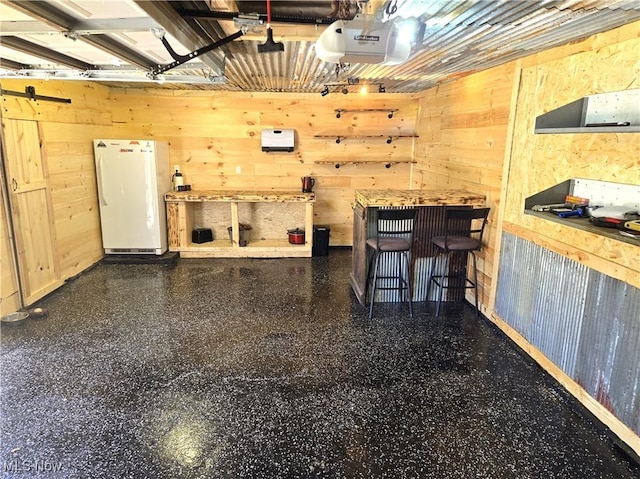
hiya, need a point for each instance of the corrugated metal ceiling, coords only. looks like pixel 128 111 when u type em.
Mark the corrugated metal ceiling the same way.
pixel 83 38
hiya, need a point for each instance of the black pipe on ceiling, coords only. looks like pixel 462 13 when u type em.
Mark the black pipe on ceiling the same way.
pixel 300 20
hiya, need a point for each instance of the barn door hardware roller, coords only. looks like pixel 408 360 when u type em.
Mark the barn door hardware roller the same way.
pixel 30 93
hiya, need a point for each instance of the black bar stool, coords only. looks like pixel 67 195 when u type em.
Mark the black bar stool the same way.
pixel 394 238
pixel 463 235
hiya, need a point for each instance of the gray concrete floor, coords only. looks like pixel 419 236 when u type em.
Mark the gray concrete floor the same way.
pixel 241 368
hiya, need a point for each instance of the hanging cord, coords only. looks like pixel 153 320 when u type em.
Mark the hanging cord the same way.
pixel 268 13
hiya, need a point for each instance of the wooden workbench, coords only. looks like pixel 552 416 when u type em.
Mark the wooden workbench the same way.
pixel 429 223
pixel 270 214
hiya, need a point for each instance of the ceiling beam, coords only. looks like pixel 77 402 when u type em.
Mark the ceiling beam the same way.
pixel 114 25
pixel 50 15
pixel 24 46
pixel 43 11
pixel 179 28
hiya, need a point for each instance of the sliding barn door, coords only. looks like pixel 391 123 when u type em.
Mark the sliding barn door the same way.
pixel 10 293
pixel 31 209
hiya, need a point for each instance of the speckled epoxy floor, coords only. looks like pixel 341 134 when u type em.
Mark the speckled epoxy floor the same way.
pixel 270 369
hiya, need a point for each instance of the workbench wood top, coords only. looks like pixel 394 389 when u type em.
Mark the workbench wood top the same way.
pixel 378 198
pixel 241 196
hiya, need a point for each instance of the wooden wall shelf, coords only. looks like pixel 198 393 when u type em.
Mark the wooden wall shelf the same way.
pixel 585 225
pixel 387 164
pixel 389 138
pixel 390 111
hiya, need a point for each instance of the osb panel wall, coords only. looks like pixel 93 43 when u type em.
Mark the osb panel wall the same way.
pixel 462 136
pixel 606 62
pixel 67 132
pixel 215 139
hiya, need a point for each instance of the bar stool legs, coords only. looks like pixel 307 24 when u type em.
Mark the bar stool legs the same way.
pixel 442 279
pixel 463 231
pixel 394 236
pixel 403 278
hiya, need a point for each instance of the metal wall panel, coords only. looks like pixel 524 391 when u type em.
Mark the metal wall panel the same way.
pixel 587 323
pixel 424 252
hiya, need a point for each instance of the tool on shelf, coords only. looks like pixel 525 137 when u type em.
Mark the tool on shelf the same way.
pixel 572 206
pixel 567 214
pixel 546 207
pixel 633 225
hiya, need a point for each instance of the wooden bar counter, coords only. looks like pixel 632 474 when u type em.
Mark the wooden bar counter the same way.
pixel 429 223
pixel 268 238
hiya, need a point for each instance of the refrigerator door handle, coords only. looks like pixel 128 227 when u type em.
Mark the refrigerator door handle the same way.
pixel 103 200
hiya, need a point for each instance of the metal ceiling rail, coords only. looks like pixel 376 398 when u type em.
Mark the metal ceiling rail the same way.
pixel 25 27
pixel 11 65
pixel 188 33
pixel 50 15
pixel 79 27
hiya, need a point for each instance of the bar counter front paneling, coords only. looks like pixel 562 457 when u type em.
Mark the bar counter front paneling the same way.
pixel 429 223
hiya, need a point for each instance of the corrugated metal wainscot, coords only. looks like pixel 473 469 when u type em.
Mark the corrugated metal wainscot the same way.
pixel 587 323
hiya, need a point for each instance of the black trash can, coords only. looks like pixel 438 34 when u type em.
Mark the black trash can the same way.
pixel 320 240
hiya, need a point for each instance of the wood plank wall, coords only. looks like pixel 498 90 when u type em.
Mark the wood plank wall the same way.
pixel 462 126
pixel 215 139
pixel 465 136
pixel 602 63
pixel 462 139
pixel 542 161
pixel 67 131
pixel 477 133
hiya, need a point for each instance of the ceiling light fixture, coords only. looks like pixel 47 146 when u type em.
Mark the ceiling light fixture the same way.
pixel 110 76
pixel 325 91
pixel 382 89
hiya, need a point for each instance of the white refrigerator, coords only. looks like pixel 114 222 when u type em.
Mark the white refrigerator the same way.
pixel 132 177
